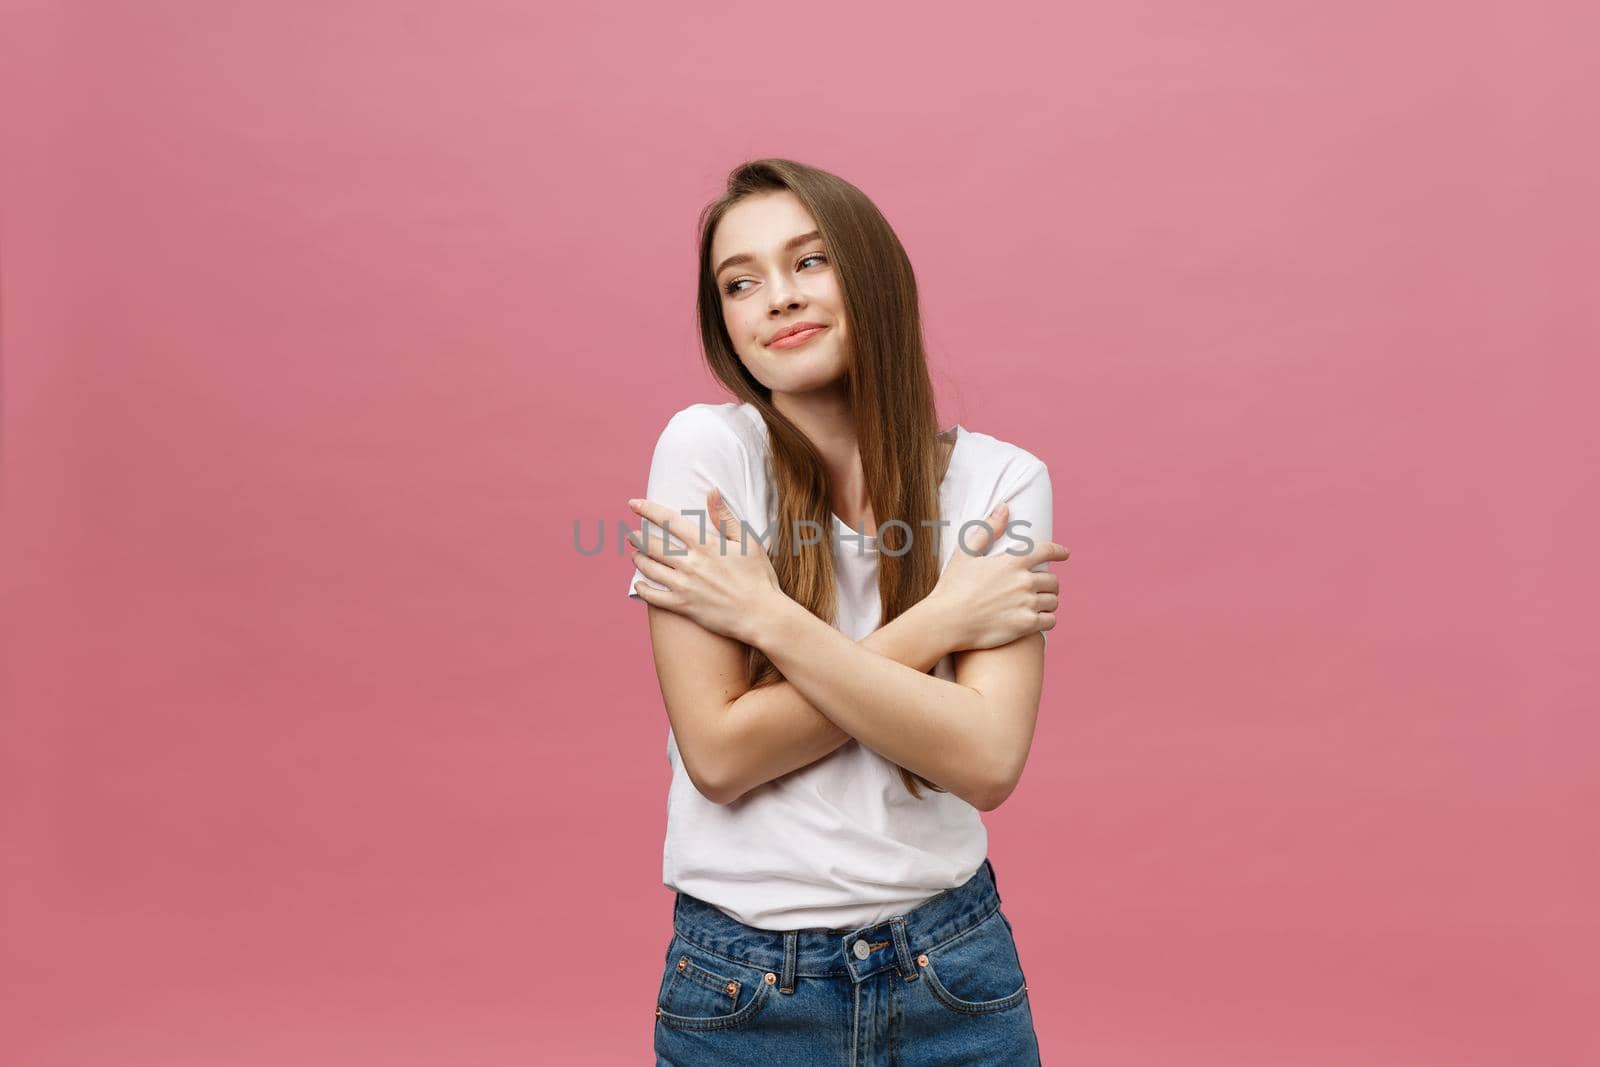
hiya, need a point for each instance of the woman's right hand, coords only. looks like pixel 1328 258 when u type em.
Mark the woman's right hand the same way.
pixel 994 600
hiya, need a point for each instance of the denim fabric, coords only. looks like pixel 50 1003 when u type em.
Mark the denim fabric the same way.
pixel 940 985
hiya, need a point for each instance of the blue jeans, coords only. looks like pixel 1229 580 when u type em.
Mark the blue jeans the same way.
pixel 941 984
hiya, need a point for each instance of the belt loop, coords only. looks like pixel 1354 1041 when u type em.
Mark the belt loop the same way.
pixel 902 949
pixel 992 878
pixel 791 950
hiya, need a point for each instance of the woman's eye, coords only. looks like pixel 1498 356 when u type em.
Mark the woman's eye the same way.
pixel 732 288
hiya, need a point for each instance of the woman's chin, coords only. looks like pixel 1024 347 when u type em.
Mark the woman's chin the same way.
pixel 807 383
pixel 801 375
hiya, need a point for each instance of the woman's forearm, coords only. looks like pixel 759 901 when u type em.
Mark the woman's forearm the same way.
pixel 774 729
pixel 932 727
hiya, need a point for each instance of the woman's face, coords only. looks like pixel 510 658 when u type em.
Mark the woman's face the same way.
pixel 774 273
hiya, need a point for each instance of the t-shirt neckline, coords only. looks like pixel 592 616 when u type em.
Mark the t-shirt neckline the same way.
pixel 870 539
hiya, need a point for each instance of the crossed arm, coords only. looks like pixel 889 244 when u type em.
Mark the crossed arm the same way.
pixel 971 736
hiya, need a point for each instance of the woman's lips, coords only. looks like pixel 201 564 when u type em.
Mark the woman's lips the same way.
pixel 796 339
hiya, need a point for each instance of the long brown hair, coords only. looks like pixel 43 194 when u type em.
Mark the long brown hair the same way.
pixel 890 392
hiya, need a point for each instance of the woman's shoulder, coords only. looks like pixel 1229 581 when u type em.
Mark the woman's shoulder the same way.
pixel 985 456
pixel 712 416
pixel 709 428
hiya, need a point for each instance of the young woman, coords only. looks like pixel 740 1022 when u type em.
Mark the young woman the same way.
pixel 851 674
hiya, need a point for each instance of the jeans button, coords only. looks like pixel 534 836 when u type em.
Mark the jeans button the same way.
pixel 862 951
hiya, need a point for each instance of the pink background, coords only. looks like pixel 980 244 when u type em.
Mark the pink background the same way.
pixel 324 322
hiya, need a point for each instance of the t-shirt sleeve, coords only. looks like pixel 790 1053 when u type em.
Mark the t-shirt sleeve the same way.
pixel 696 450
pixel 1030 523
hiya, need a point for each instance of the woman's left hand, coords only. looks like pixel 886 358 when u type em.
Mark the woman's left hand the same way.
pixel 723 582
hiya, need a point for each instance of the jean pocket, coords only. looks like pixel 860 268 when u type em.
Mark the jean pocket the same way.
pixel 977 971
pixel 701 991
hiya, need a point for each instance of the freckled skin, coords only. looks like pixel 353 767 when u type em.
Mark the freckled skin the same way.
pixel 778 288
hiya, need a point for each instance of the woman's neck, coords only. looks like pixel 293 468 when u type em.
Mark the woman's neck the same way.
pixel 828 422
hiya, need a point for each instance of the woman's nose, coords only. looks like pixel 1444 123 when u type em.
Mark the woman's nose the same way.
pixel 784 294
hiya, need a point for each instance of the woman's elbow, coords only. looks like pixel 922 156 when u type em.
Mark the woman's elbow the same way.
pixel 711 777
pixel 992 796
pixel 720 792
pixel 709 784
pixel 995 787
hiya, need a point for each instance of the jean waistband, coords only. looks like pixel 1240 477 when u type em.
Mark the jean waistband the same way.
pixel 860 951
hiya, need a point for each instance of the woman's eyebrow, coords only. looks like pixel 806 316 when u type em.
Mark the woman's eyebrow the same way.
pixel 746 257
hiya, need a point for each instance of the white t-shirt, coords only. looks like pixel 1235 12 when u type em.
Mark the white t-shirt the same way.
pixel 839 843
